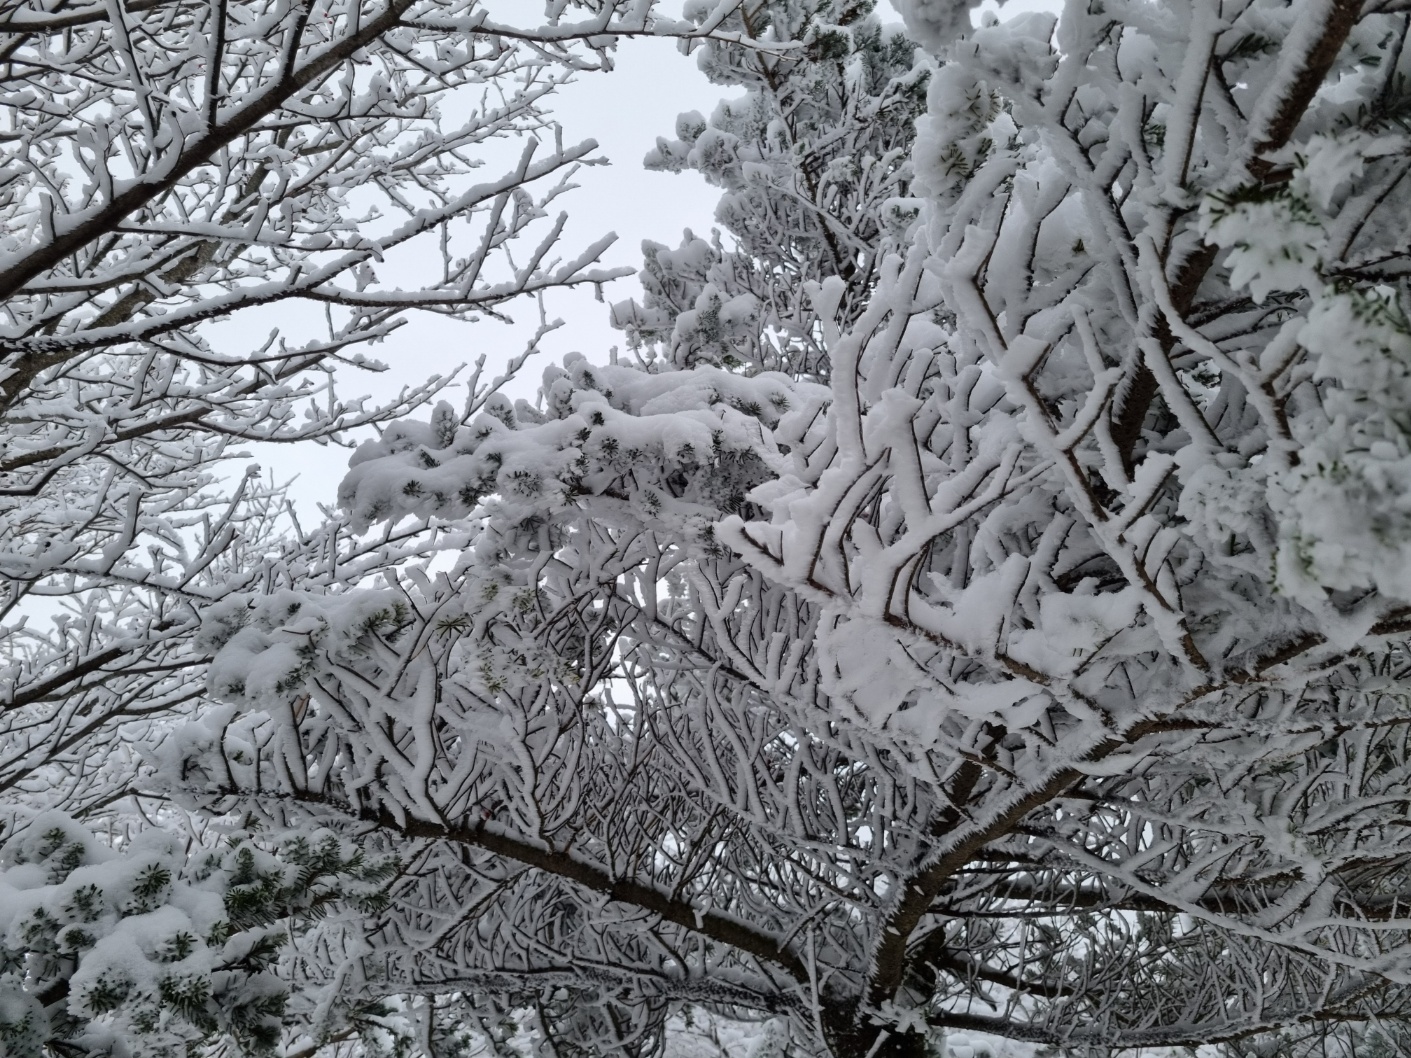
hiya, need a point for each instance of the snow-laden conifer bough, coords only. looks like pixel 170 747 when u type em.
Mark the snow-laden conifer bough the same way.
pixel 975 602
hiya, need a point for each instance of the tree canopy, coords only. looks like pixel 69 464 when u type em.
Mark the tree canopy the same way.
pixel 974 601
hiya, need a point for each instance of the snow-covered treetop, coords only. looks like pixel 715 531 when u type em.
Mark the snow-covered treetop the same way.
pixel 814 163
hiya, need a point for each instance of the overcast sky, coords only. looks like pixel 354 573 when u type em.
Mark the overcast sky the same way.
pixel 625 111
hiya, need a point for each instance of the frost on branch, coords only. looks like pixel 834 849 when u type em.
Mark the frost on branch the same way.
pixel 151 948
pixel 814 168
pixel 207 212
pixel 1034 664
pixel 1168 497
pixel 934 24
pixel 676 449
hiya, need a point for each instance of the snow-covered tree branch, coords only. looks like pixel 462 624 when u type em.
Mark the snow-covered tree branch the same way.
pixel 976 602
pixel 207 211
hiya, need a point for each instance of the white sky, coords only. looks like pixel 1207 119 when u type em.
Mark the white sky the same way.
pixel 625 111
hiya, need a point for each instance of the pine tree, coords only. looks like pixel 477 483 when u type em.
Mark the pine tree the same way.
pixel 814 162
pixel 1025 657
pixel 155 948
pixel 1030 664
pixel 208 213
